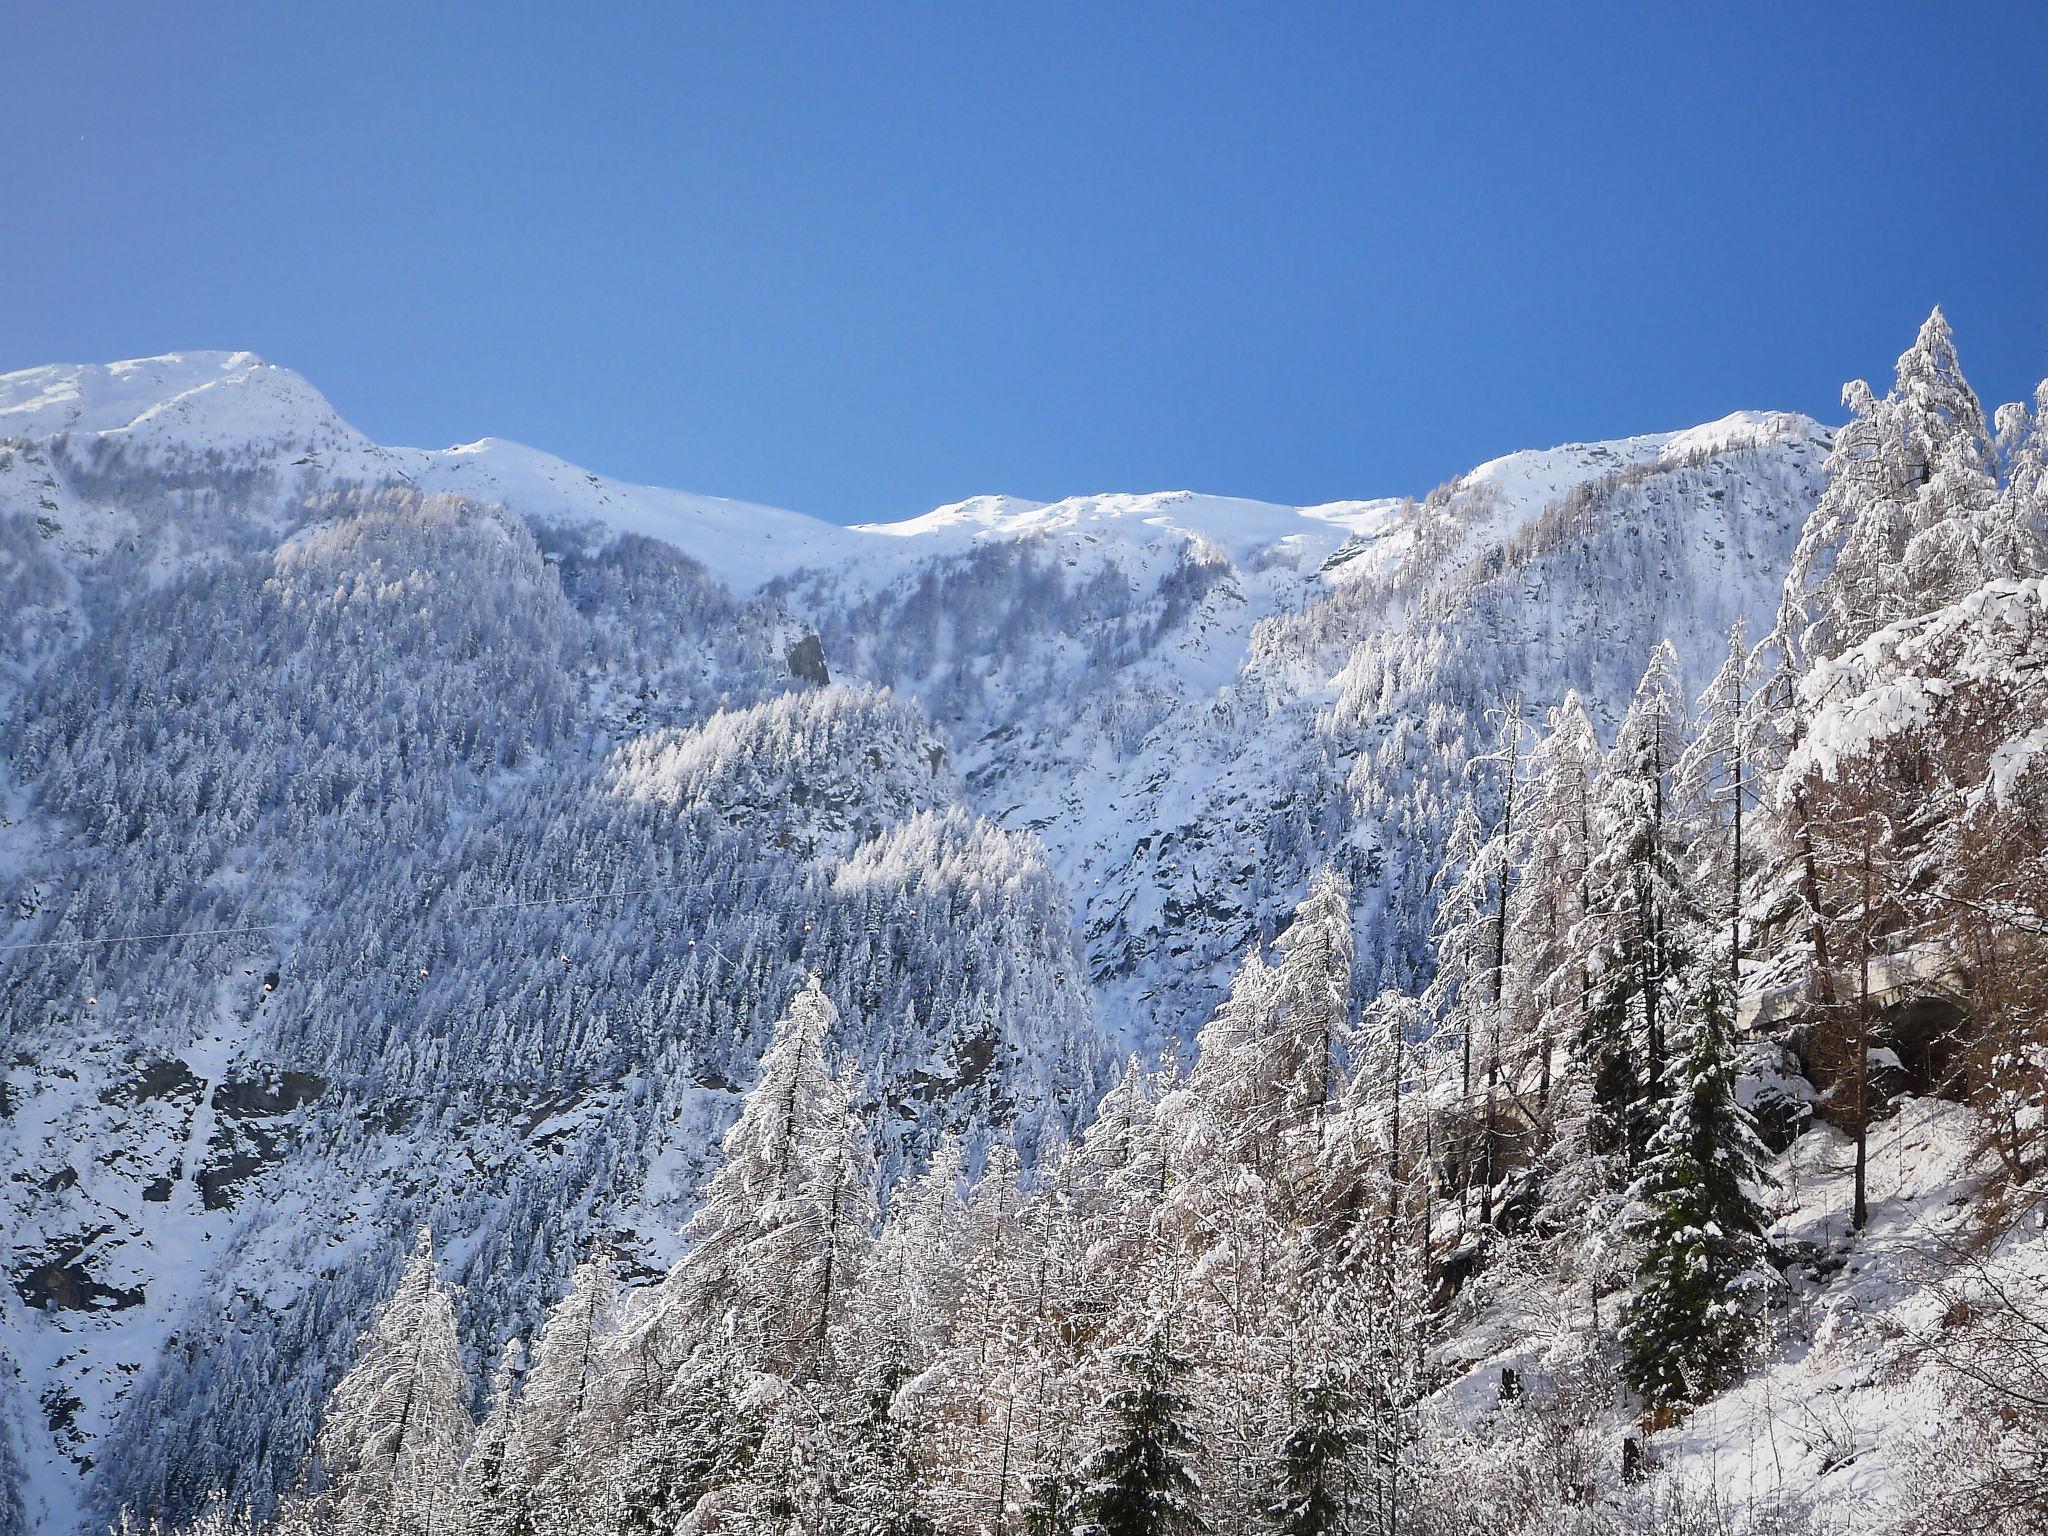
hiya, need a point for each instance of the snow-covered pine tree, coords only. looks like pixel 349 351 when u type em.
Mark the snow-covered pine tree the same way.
pixel 697 1439
pixel 397 1425
pixel 1139 1481
pixel 1948 454
pixel 1701 1275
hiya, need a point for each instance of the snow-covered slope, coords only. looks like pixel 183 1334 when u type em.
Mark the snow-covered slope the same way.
pixel 1846 1406
pixel 520 800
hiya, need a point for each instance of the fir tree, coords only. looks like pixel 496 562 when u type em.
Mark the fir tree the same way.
pixel 1699 1222
pixel 1140 1480
pixel 1313 1474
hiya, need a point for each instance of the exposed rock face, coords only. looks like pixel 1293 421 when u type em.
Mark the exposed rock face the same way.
pixel 807 662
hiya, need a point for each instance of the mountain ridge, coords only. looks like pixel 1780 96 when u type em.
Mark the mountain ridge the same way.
pixel 1072 760
pixel 210 399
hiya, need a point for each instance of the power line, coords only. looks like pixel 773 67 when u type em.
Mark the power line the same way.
pixel 143 938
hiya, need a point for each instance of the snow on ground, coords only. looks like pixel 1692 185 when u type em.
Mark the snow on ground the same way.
pixel 1840 1404
pixel 1242 530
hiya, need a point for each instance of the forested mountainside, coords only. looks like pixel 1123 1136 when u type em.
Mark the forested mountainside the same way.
pixel 457 838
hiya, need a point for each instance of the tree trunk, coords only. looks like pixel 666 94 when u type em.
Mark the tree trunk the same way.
pixel 1861 1213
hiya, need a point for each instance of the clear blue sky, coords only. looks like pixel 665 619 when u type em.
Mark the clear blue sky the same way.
pixel 862 259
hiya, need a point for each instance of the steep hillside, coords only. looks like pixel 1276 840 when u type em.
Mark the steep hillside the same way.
pixel 393 834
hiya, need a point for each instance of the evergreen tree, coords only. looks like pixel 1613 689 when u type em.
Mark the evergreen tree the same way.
pixel 1700 1224
pixel 1313 1474
pixel 1140 1480
pixel 397 1426
pixel 1052 1505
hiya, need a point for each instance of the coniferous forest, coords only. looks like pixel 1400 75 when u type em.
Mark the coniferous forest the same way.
pixel 1593 1109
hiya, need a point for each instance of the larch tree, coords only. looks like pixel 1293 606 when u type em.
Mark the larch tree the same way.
pixel 1642 891
pixel 1716 780
pixel 750 1243
pixel 1549 963
pixel 397 1425
pixel 1458 997
pixel 559 1415
pixel 494 1500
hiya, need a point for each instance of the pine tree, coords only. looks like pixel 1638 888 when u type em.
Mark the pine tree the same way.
pixel 1699 1221
pixel 1140 1480
pixel 397 1426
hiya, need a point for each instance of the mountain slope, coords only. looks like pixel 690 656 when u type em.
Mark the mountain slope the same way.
pixel 504 804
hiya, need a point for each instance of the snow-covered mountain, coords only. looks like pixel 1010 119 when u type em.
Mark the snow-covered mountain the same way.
pixel 392 834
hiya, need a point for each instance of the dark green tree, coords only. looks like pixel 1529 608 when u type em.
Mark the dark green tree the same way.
pixel 1314 1477
pixel 1052 1505
pixel 1140 1482
pixel 1700 1225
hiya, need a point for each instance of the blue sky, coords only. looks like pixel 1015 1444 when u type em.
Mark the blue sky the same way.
pixel 864 259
